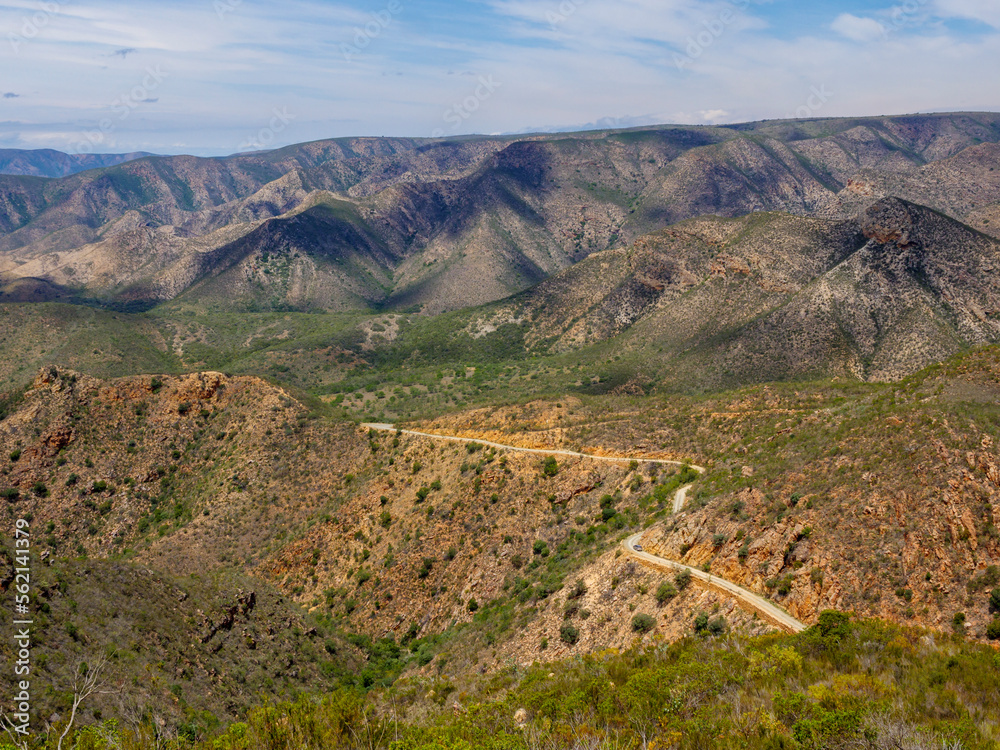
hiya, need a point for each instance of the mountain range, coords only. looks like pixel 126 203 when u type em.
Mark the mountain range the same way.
pixel 370 224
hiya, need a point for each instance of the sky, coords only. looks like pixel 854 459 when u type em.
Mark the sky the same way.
pixel 215 77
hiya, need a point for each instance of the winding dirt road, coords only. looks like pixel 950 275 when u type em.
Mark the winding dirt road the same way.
pixel 759 604
pixel 538 451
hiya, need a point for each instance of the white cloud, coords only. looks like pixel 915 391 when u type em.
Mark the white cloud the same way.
pixel 606 63
pixel 858 29
pixel 713 115
pixel 987 11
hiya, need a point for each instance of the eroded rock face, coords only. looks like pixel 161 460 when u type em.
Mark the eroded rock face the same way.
pixel 890 221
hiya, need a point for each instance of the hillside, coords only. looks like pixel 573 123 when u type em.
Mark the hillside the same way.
pixel 207 472
pixel 476 558
pixel 453 224
pixel 770 297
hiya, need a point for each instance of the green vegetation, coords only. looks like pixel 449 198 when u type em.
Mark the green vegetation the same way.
pixel 838 685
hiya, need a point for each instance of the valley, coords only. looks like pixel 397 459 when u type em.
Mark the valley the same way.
pixel 352 443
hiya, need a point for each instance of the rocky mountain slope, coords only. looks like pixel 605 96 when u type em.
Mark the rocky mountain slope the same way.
pixel 467 222
pixel 772 296
pixel 410 537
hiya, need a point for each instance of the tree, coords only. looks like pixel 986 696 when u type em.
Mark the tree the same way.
pixel 87 680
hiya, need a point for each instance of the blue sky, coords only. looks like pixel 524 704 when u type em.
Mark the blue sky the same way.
pixel 212 77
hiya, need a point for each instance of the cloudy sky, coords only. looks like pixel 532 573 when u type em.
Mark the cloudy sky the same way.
pixel 221 76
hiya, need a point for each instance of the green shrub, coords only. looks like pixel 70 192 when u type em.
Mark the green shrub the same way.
pixel 718 625
pixel 385 520
pixel 682 580
pixel 643 623
pixel 666 592
pixel 550 467
pixel 569 633
pixel 473 605
pixel 993 630
pixel 15 454
pixel 958 622
pixel 995 601
pixel 40 489
pixel 701 623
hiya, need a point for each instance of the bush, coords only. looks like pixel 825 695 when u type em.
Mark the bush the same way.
pixel 540 548
pixel 569 634
pixel 10 494
pixel 718 625
pixel 385 520
pixel 995 601
pixel 993 630
pixel 15 454
pixel 473 605
pixel 701 623
pixel 425 567
pixel 958 622
pixel 643 623
pixel 666 592
pixel 550 467
pixel 40 489
pixel 578 590
pixel 682 580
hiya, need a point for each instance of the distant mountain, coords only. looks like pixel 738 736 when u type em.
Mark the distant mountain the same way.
pixel 773 296
pixel 49 163
pixel 445 225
